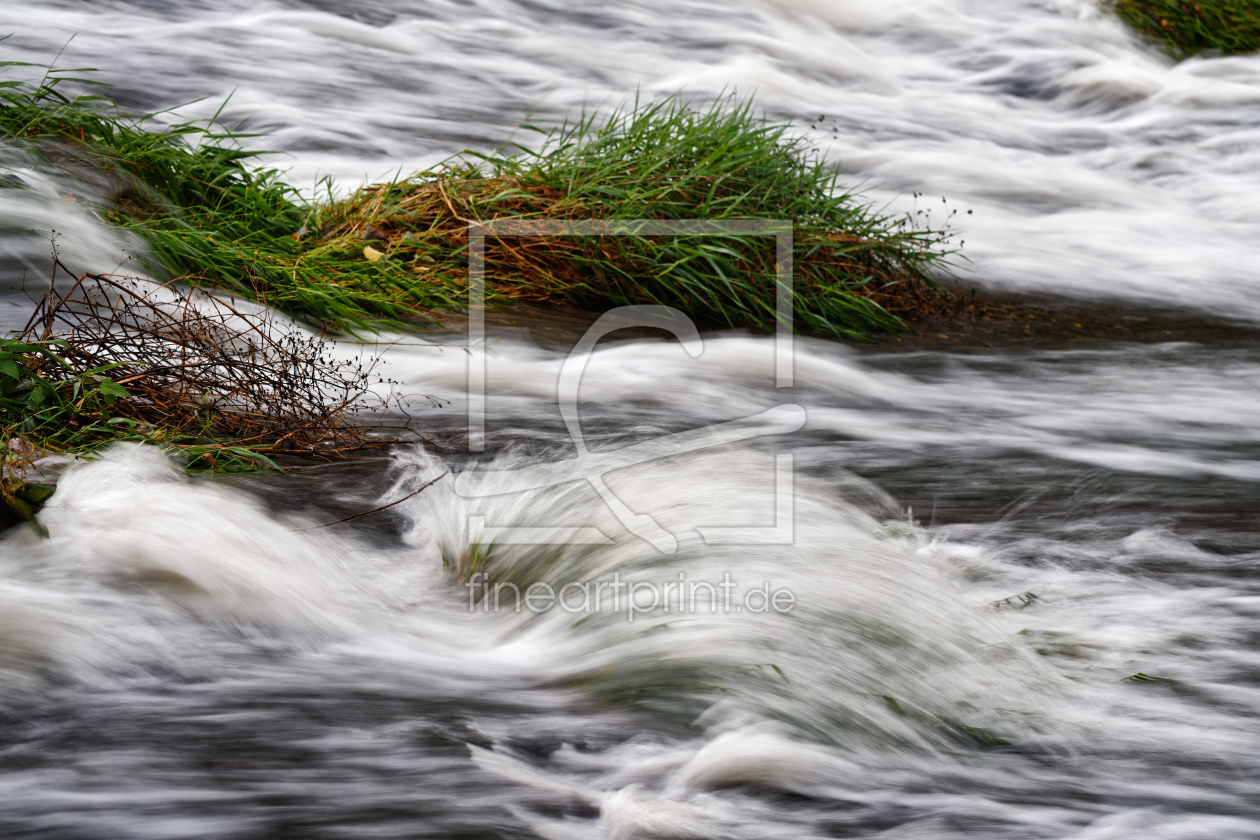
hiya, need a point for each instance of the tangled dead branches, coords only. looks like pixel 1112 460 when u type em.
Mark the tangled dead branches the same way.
pixel 198 365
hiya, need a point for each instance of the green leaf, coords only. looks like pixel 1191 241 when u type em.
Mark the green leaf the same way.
pixel 36 494
pixel 109 388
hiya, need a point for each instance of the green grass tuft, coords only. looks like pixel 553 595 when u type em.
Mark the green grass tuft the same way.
pixel 1229 27
pixel 855 269
pixel 212 217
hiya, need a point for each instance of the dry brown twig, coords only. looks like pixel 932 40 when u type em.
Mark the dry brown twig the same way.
pixel 200 365
pixel 415 492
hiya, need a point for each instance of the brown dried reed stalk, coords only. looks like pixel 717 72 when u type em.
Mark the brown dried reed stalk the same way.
pixel 195 364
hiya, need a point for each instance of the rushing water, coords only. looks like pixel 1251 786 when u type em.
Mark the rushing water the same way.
pixel 181 660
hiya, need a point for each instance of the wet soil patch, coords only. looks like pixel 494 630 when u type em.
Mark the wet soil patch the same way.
pixel 966 319
pixel 975 319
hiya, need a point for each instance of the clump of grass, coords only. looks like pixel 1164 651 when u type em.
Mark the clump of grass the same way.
pixel 212 217
pixel 1185 28
pixel 390 251
pixel 856 270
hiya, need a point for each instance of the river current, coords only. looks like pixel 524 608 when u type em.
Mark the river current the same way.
pixel 1018 592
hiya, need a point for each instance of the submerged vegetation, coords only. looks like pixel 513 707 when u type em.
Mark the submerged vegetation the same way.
pixel 1188 28
pixel 214 218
